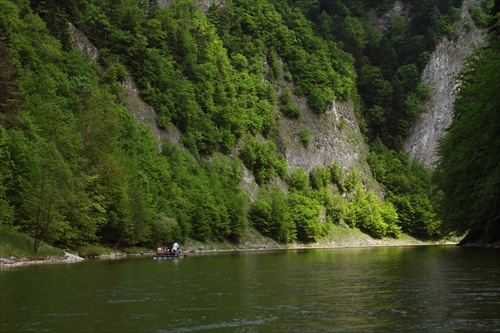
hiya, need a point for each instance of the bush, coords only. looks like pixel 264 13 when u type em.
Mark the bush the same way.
pixel 305 137
pixel 298 180
pixel 305 214
pixel 319 178
pixel 263 160
pixel 351 181
pixel 260 215
pixel 481 19
pixel 372 216
pixel 270 215
pixel 94 250
pixel 286 106
pixel 337 176
pixel 416 215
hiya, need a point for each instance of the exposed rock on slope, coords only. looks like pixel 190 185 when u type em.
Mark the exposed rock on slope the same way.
pixel 382 22
pixel 445 61
pixel 144 113
pixel 82 43
pixel 336 138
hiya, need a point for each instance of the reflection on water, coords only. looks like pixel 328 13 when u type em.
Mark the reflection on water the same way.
pixel 392 289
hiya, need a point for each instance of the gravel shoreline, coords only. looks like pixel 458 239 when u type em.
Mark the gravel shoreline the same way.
pixel 14 261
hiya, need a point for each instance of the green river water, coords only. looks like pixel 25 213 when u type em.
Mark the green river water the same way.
pixel 381 289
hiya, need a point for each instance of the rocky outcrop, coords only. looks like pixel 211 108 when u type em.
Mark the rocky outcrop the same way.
pixel 144 113
pixel 335 137
pixel 444 62
pixel 382 22
pixel 82 43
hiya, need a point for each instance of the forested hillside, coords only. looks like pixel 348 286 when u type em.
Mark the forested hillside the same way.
pixel 470 152
pixel 77 169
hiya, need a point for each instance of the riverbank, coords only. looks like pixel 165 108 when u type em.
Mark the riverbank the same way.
pixel 15 261
pixel 343 237
pixel 251 241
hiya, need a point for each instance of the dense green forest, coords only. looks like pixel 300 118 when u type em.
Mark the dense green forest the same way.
pixel 470 151
pixel 76 169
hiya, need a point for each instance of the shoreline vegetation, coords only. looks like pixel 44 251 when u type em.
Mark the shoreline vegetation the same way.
pixel 14 252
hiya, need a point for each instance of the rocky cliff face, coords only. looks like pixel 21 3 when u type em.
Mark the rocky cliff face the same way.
pixel 335 138
pixel 82 43
pixel 444 62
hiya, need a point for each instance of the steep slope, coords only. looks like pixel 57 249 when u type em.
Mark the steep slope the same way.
pixel 444 62
pixel 335 138
pixel 142 112
pixel 335 135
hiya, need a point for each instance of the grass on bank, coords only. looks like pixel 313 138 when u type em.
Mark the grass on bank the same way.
pixel 16 244
pixel 19 245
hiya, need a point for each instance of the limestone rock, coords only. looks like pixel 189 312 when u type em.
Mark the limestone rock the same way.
pixel 444 62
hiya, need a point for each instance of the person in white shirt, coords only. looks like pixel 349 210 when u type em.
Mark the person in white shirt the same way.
pixel 175 248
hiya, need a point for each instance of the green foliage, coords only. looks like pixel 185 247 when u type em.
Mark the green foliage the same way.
pixel 47 190
pixel 304 213
pixel 408 188
pixel 480 13
pixel 9 88
pixel 298 180
pixel 305 137
pixel 319 178
pixel 351 181
pixel 93 250
pixel 286 106
pixel 77 170
pixel 206 199
pixel 423 91
pixel 270 214
pixel 391 217
pixel 274 65
pixel 467 177
pixel 320 70
pixel 263 160
pixel 336 209
pixel 372 216
pixel 389 63
pixel 84 171
pixel 261 214
pixel 416 215
pixel 6 208
pixel 337 176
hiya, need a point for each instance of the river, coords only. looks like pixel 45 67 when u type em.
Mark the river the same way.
pixel 379 289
